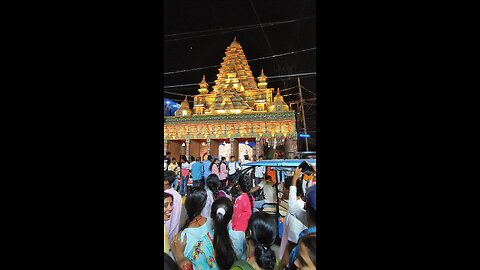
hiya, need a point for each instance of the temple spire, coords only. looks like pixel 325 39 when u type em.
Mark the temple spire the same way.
pixel 278 104
pixel 262 81
pixel 203 86
pixel 184 109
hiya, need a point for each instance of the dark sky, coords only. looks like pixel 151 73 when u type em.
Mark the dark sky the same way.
pixel 204 48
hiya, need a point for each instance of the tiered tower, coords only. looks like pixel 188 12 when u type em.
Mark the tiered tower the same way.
pixel 235 90
pixel 237 109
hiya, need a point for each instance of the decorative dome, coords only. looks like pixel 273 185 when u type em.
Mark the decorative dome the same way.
pixel 184 109
pixel 278 104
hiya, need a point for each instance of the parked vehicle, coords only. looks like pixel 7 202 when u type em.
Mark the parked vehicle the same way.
pixel 283 167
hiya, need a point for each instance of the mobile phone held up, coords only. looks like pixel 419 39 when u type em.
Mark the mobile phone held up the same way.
pixel 306 168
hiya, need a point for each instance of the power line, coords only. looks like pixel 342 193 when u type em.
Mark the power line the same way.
pixel 266 39
pixel 309 91
pixel 282 54
pixel 236 28
pixel 255 59
pixel 290 76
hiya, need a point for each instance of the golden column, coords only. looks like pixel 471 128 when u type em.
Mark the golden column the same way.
pixel 187 148
pixel 165 147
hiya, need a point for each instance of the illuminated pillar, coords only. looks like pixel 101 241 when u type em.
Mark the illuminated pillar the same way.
pixel 232 148
pixel 187 148
pixel 258 147
pixel 208 146
pixel 295 146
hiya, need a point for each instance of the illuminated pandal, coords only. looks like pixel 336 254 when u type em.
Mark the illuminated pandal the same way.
pixel 236 110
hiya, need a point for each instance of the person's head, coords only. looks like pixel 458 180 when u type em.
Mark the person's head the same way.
pixel 244 183
pixel 232 158
pixel 168 178
pixel 261 233
pixel 222 212
pixel 167 206
pixel 311 205
pixel 168 154
pixel 174 160
pixel 197 159
pixel 269 180
pixel 307 258
pixel 194 204
pixel 213 182
pixel 192 158
pixel 224 159
pixel 288 183
pixel 260 158
pixel 169 263
pixel 183 158
pixel 209 158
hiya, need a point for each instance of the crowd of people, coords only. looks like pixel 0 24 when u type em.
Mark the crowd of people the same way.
pixel 218 229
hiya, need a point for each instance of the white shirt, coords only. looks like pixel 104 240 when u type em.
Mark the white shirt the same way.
pixel 260 171
pixel 245 162
pixel 293 208
pixel 292 227
pixel 186 165
pixel 306 185
pixel 232 167
pixel 173 167
pixel 268 191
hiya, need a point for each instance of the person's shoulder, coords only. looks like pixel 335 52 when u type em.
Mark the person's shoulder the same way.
pixel 175 193
pixel 241 265
pixel 236 235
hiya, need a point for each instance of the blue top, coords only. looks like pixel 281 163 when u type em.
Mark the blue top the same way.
pixel 206 168
pixel 199 248
pixel 239 243
pixel 197 171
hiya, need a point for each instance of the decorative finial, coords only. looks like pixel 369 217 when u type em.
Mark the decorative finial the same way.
pixel 203 80
pixel 235 42
pixel 262 74
pixel 278 91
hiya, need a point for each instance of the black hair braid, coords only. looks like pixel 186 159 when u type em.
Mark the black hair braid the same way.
pixel 265 257
pixel 262 230
pixel 213 182
pixel 222 212
pixel 194 204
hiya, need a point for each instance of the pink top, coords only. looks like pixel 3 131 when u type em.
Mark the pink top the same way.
pixel 242 211
pixel 223 171
pixel 215 170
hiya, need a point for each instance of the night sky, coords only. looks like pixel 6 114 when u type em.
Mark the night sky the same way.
pixel 202 47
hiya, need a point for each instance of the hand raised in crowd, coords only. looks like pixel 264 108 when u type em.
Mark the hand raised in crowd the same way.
pixel 178 246
pixel 296 175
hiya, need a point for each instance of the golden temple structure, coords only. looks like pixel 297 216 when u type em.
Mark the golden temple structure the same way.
pixel 237 110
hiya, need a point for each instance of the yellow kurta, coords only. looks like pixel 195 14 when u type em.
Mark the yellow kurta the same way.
pixel 166 247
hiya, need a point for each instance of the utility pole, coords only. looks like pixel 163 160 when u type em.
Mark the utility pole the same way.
pixel 303 113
